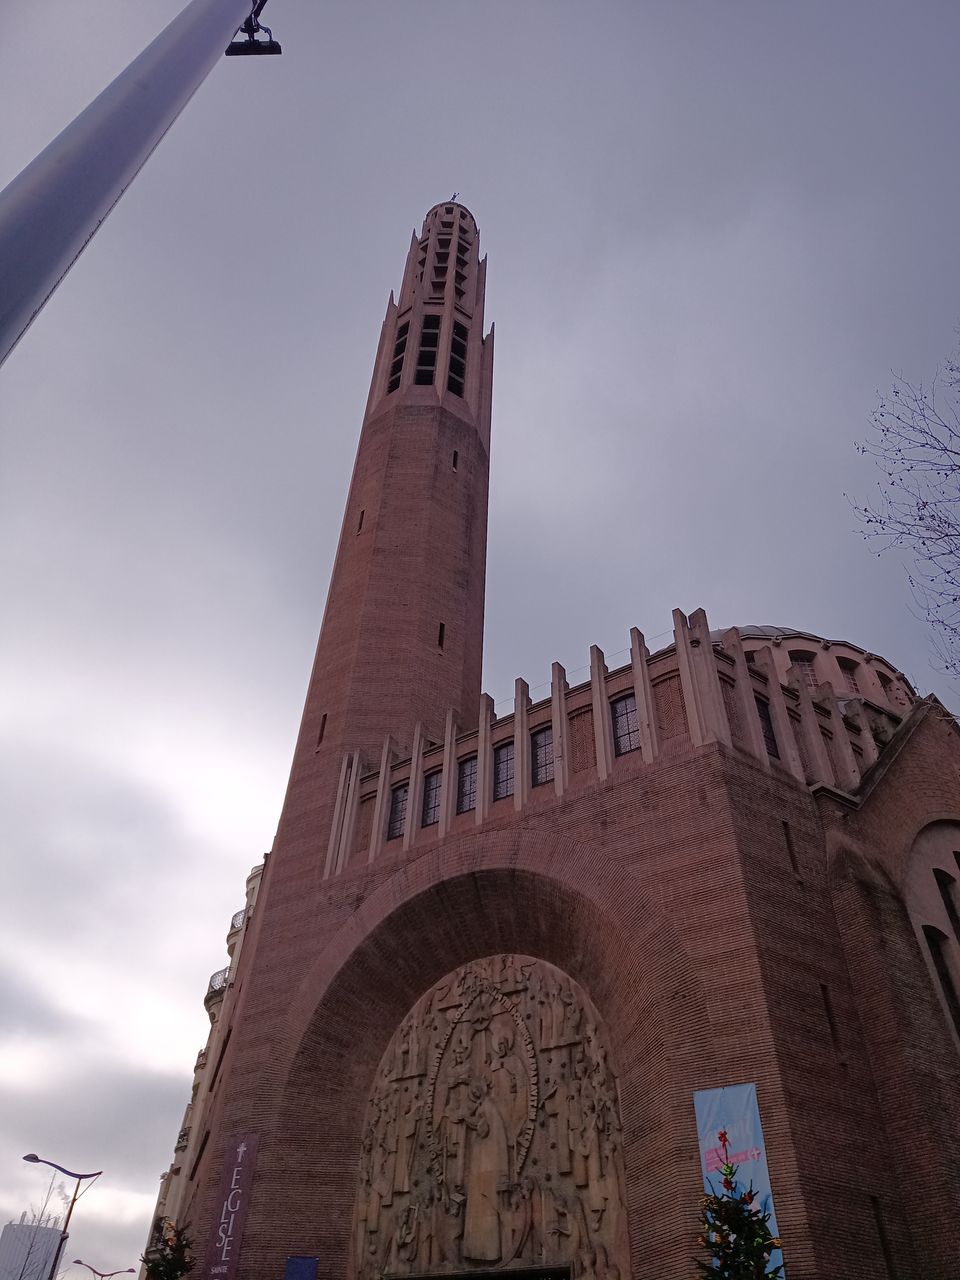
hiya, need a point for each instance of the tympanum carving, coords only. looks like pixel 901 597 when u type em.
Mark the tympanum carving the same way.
pixel 492 1137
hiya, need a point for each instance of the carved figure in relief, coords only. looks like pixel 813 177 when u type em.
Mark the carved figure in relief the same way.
pixel 449 1226
pixel 408 1127
pixel 560 1229
pixel 449 1130
pixel 426 1255
pixel 493 1135
pixel 406 1236
pixel 481 1012
pixel 570 1016
pixel 486 1177
pixel 526 1225
pixel 512 974
pixel 548 1011
pixel 468 983
pixel 408 1051
pixel 509 1078
pixel 556 1104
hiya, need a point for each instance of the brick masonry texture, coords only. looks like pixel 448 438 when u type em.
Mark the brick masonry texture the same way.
pixel 669 895
pixel 733 918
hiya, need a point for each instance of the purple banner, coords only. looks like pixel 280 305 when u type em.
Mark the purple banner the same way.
pixel 223 1253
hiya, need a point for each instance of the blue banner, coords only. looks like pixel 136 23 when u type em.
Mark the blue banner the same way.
pixel 300 1269
pixel 734 1110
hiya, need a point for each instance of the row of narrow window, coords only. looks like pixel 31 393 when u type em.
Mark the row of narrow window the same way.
pixel 626 738
pixel 626 725
pixel 426 366
pixel 805 663
pixel 541 771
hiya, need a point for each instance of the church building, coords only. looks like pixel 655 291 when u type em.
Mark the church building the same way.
pixel 502 980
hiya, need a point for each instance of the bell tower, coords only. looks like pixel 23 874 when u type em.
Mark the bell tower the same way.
pixel 402 634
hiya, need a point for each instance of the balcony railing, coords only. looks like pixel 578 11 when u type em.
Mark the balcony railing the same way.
pixel 237 920
pixel 216 987
pixel 183 1137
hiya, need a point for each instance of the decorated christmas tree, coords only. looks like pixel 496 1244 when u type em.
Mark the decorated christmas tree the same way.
pixel 735 1229
pixel 170 1255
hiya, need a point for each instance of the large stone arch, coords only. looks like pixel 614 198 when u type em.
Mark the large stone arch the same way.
pixel 558 900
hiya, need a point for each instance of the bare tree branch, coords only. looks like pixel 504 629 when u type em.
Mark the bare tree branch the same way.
pixel 915 442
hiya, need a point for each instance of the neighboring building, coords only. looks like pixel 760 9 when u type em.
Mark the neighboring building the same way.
pixel 189 1145
pixel 493 958
pixel 28 1249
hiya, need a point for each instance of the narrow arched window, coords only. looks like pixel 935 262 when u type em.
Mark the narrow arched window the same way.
pixel 937 943
pixel 848 674
pixel 948 896
pixel 398 811
pixel 804 663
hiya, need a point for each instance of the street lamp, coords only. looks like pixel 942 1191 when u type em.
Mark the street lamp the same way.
pixel 50 212
pixel 32 1158
pixel 103 1275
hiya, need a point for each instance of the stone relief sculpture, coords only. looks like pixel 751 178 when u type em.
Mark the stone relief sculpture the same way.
pixel 492 1138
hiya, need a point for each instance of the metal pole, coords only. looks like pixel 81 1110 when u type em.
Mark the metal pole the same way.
pixel 50 211
pixel 64 1233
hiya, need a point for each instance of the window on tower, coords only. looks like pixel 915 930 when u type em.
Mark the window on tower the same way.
pixel 396 365
pixel 430 813
pixel 427 355
pixel 467 785
pixel 398 811
pixel 503 771
pixel 626 725
pixel 541 756
pixel 458 359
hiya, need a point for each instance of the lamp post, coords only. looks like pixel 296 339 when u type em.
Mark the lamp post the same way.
pixel 50 212
pixel 32 1158
pixel 103 1275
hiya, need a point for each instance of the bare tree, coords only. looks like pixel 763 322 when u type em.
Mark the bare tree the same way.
pixel 916 443
pixel 36 1262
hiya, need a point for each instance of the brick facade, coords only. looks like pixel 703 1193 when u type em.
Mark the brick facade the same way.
pixel 735 887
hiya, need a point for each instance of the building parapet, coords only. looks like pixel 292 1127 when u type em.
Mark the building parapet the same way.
pixel 815 723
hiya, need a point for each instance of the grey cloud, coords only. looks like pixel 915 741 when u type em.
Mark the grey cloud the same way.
pixel 70 826
pixel 712 231
pixel 122 1118
pixel 24 1010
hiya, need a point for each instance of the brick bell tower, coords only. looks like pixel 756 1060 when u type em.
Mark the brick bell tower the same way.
pixel 400 650
pixel 402 634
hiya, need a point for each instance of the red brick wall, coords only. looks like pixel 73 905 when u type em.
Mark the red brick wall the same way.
pixel 669 895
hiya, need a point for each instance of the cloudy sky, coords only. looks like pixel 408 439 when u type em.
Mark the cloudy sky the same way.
pixel 714 228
